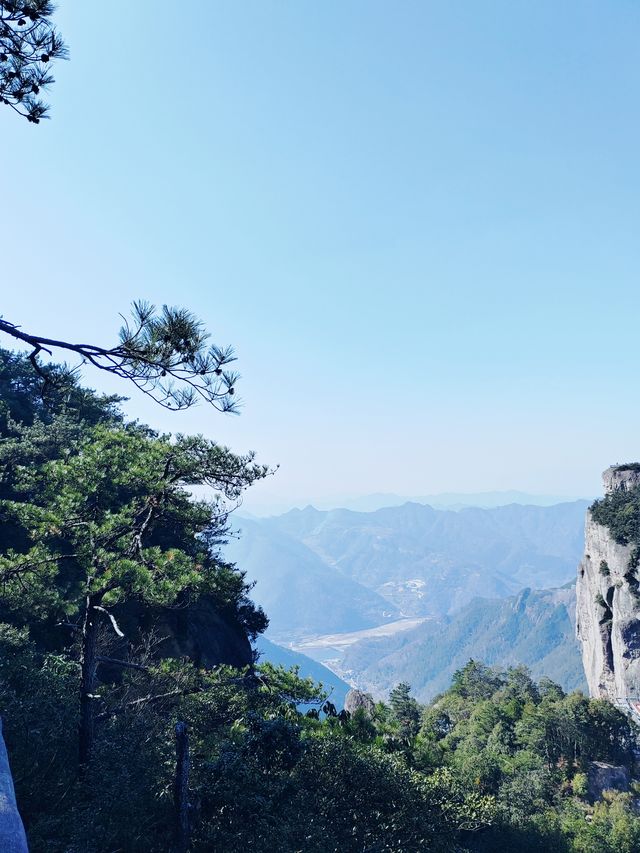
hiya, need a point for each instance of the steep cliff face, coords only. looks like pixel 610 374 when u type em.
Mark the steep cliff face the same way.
pixel 200 632
pixel 607 592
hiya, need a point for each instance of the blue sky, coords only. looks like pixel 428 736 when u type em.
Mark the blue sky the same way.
pixel 416 222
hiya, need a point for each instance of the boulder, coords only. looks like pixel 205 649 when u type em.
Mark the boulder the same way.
pixel 356 700
pixel 606 777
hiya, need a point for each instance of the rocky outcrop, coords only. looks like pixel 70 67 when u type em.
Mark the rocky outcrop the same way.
pixel 606 777
pixel 204 634
pixel 621 478
pixel 608 603
pixel 200 631
pixel 356 700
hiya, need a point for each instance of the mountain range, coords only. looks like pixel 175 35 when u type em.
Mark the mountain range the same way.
pixel 445 500
pixel 262 505
pixel 411 592
pixel 319 572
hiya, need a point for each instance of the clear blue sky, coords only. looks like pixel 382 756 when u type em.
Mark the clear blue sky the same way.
pixel 417 222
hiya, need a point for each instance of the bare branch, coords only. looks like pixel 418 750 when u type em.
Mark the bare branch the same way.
pixel 111 618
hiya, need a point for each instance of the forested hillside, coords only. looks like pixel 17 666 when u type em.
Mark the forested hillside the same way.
pixel 535 628
pixel 335 688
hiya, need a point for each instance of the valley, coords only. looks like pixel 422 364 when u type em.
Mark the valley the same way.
pixel 412 592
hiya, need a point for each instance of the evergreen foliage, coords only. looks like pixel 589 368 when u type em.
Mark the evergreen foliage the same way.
pixel 29 43
pixel 528 747
pixel 98 513
pixel 22 400
pixel 620 512
pixel 163 353
pixel 502 773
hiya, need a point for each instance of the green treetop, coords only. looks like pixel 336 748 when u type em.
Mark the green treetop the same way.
pixel 112 519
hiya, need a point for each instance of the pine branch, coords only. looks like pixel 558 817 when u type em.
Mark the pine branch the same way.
pixel 163 353
pixel 29 42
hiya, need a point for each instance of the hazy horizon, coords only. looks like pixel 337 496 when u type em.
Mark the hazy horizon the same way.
pixel 261 505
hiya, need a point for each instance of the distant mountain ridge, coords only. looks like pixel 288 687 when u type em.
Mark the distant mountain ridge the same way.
pixel 256 508
pixel 450 500
pixel 319 572
pixel 299 591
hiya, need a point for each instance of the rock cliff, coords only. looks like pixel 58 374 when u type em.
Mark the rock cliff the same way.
pixel 12 837
pixel 607 592
pixel 200 631
pixel 606 777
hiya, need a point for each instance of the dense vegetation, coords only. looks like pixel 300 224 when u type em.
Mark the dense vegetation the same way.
pixel 98 535
pixel 620 512
pixel 528 746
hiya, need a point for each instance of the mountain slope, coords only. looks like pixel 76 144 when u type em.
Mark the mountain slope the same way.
pixel 535 628
pixel 301 593
pixel 335 686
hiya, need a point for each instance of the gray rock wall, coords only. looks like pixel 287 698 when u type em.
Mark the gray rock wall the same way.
pixel 606 777
pixel 620 478
pixel 199 631
pixel 12 837
pixel 608 606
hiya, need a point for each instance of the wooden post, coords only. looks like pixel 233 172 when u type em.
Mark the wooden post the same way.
pixel 87 684
pixel 12 837
pixel 181 789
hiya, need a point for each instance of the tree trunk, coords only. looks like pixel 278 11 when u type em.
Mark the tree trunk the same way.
pixel 181 789
pixel 87 682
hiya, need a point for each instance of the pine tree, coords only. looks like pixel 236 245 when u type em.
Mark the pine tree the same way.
pixel 109 520
pixel 405 710
pixel 165 354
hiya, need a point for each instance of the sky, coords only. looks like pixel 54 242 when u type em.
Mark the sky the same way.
pixel 416 222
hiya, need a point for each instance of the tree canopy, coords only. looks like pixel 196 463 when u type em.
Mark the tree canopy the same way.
pixel 97 513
